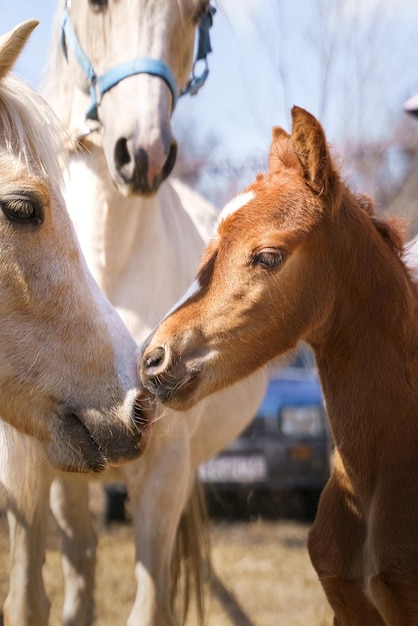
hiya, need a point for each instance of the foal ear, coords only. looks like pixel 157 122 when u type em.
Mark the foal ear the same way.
pixel 310 145
pixel 11 45
pixel 279 151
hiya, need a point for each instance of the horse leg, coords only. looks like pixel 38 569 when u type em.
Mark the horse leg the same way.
pixel 396 599
pixel 336 547
pixel 70 505
pixel 26 479
pixel 158 487
pixel 350 604
pixel 392 550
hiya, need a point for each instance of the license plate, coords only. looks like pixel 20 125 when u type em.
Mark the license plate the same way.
pixel 225 469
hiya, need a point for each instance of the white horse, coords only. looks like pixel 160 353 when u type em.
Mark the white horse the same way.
pixel 143 239
pixel 70 398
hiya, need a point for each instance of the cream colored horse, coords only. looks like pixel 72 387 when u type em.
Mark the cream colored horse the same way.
pixel 70 398
pixel 143 243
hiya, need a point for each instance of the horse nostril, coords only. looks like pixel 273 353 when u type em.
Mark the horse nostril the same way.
pixel 122 156
pixel 154 359
pixel 170 160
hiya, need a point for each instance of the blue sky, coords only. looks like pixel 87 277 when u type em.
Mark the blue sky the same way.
pixel 271 54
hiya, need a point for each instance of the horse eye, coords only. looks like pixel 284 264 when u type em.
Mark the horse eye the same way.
pixel 268 259
pixel 98 5
pixel 23 209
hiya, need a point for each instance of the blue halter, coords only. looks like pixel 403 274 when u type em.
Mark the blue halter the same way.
pixel 98 85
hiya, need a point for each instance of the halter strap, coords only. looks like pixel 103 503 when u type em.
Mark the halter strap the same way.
pixel 100 84
pixel 203 48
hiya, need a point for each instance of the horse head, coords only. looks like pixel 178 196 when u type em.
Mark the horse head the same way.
pixel 130 59
pixel 67 367
pixel 258 290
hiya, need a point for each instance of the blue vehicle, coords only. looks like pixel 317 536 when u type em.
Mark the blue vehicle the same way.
pixel 287 445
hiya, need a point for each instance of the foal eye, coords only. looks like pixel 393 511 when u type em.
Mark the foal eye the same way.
pixel 268 259
pixel 22 209
pixel 98 5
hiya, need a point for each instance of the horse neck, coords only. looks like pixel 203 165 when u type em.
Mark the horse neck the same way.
pixel 367 351
pixel 143 252
pixel 114 231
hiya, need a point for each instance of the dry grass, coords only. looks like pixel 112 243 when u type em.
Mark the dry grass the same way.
pixel 263 576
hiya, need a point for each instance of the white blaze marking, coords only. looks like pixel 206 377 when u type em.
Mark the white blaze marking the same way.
pixel 236 204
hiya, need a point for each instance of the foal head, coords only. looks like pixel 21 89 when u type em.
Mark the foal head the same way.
pixel 135 113
pixel 67 370
pixel 267 278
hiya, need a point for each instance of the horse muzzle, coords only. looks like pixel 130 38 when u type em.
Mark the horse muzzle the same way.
pixel 171 380
pixel 141 170
pixel 89 440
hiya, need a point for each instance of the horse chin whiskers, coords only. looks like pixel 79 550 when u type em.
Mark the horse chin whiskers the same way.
pixel 161 414
pixel 144 413
pixel 74 459
pixel 166 387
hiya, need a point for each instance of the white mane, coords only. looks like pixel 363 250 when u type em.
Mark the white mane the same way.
pixel 59 94
pixel 33 135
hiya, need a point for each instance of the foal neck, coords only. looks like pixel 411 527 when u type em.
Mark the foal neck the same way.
pixel 367 354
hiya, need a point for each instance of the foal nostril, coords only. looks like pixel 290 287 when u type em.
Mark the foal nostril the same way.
pixel 154 360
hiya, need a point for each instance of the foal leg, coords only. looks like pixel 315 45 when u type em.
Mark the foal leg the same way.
pixel 70 505
pixel 396 600
pixel 392 547
pixel 24 473
pixel 336 545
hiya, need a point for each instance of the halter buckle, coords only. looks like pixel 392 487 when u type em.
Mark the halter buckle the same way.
pixel 91 126
pixel 196 82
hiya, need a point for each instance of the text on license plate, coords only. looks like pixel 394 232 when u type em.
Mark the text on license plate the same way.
pixel 225 469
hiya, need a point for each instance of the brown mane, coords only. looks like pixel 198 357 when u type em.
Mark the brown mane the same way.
pixel 391 229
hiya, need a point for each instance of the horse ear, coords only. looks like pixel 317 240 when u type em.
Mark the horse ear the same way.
pixel 11 45
pixel 310 145
pixel 279 148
